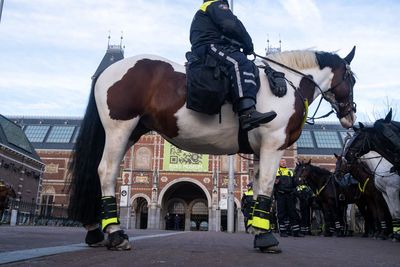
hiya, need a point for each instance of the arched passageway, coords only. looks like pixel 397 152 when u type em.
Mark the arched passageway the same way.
pixel 187 205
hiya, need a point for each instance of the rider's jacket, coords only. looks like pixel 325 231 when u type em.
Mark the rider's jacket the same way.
pixel 213 20
pixel 286 181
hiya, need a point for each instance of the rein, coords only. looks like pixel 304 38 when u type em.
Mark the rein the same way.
pixel 363 188
pixel 318 191
pixel 328 95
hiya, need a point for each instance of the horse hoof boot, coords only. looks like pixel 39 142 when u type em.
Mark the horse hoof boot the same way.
pixel 271 250
pixel 95 238
pixel 267 243
pixel 118 241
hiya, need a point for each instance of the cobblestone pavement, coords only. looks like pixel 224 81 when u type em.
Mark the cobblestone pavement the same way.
pixel 169 248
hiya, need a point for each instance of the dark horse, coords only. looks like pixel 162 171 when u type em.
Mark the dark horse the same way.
pixel 332 197
pixel 376 205
pixel 148 93
pixel 383 137
pixel 6 192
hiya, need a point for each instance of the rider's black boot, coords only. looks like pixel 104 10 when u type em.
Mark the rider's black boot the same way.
pixel 249 117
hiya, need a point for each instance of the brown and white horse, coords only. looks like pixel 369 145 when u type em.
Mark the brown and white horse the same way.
pixel 143 93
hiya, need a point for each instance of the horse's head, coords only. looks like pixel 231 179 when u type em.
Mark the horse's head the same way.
pixel 302 171
pixel 340 93
pixel 360 143
pixel 342 167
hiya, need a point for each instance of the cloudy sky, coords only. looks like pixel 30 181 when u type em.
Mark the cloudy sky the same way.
pixel 50 49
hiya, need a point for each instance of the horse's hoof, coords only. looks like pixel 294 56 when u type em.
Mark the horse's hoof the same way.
pixel 118 241
pixel 95 238
pixel 271 249
pixel 265 241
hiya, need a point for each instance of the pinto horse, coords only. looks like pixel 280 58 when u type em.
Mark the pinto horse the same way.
pixel 374 200
pixel 6 192
pixel 148 93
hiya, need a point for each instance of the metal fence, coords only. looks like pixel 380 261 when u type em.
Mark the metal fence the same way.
pixel 29 213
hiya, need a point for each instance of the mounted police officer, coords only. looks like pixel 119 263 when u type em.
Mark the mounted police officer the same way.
pixel 213 21
pixel 285 187
pixel 246 201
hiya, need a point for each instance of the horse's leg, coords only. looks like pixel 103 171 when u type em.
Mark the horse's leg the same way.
pixel 117 136
pixel 392 191
pixel 260 224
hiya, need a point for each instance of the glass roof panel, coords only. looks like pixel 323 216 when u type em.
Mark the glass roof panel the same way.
pixel 36 133
pixel 305 140
pixel 60 134
pixel 327 139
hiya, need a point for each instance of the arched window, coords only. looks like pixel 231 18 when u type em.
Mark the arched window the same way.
pixel 176 208
pixel 199 208
pixel 143 159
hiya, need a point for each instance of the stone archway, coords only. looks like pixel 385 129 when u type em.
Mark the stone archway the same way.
pixel 139 213
pixel 189 192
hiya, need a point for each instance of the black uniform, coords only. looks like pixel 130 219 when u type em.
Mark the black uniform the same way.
pixel 305 196
pixel 213 20
pixel 246 201
pixel 286 201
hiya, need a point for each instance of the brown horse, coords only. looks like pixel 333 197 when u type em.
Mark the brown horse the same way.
pixel 331 196
pixel 6 192
pixel 144 93
pixel 375 202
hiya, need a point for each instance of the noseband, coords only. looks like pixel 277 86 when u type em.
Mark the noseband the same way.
pixel 330 96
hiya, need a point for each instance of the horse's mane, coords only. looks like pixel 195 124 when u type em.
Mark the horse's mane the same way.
pixel 297 59
pixel 320 170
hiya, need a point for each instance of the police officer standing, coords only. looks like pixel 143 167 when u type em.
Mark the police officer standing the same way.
pixel 305 196
pixel 246 201
pixel 213 21
pixel 285 187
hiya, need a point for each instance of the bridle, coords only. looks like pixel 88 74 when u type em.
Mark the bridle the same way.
pixel 328 95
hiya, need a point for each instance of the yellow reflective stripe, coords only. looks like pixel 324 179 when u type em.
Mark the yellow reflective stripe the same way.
pixel 249 193
pixel 363 189
pixel 320 190
pixel 305 112
pixel 396 229
pixel 261 223
pixel 284 172
pixel 106 222
pixel 206 4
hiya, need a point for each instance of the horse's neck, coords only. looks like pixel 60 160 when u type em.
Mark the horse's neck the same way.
pixel 318 178
pixel 322 78
pixel 360 172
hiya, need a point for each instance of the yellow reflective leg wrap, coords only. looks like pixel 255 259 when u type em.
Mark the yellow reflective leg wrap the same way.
pixel 250 220
pixel 109 214
pixel 396 225
pixel 261 213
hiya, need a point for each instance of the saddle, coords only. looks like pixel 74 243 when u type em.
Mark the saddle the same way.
pixel 208 84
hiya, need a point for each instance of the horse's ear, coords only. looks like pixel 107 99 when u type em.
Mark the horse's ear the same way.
pixel 309 162
pixel 350 56
pixel 388 117
pixel 355 128
pixel 336 156
pixel 361 125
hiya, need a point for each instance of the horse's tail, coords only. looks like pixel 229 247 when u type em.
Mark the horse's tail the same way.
pixel 85 189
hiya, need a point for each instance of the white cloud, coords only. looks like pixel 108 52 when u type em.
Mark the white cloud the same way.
pixel 49 49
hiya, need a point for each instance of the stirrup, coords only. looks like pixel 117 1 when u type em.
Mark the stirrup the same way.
pixel 249 122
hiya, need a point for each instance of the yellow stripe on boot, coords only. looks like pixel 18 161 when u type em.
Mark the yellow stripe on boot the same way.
pixel 107 222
